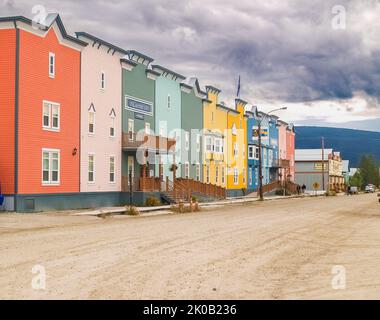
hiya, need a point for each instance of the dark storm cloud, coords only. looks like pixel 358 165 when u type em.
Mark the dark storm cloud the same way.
pixel 284 50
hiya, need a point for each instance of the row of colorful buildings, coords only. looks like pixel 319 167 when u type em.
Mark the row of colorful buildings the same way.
pixel 85 123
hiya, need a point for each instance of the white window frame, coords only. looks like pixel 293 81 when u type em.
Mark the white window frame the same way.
pixel 216 174
pixel 223 175
pixel 131 129
pixel 88 168
pixel 50 182
pixel 103 82
pixel 93 123
pixel 112 157
pixel 187 140
pixel 147 127
pixel 198 142
pixel 236 149
pixel 51 65
pixel 236 176
pixel 250 176
pixel 234 129
pixel 198 172
pixel 208 144
pixel 187 170
pixel 257 153
pixel 207 174
pixel 169 103
pixel 251 153
pixel 51 105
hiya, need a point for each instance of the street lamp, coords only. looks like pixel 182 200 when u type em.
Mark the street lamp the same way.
pixel 259 121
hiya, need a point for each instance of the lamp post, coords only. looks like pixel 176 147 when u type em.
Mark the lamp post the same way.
pixel 259 121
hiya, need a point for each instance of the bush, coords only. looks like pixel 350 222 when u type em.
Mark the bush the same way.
pixel 195 199
pixel 131 211
pixel 152 202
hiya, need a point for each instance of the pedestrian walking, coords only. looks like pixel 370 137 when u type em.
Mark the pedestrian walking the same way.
pixel 298 189
pixel 303 188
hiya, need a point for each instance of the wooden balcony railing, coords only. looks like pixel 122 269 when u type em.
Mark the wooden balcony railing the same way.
pixel 134 141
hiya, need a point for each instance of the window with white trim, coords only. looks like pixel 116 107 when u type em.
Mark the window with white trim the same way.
pixel 50 167
pixel 235 149
pixel 91 122
pixel 223 175
pixel 257 153
pixel 131 129
pixel 198 172
pixel 187 141
pixel 51 116
pixel 187 170
pixel 51 65
pixel 198 143
pixel 112 169
pixel 169 103
pixel 207 174
pixel 103 80
pixel 91 168
pixel 208 144
pixel 147 128
pixel 250 152
pixel 216 174
pixel 218 146
pixel 250 176
pixel 236 176
pixel 234 130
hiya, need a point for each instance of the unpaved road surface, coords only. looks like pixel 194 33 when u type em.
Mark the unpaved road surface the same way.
pixel 273 250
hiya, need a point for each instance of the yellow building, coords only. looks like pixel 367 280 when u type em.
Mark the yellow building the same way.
pixel 237 149
pixel 214 140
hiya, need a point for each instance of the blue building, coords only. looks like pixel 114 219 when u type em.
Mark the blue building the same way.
pixel 269 152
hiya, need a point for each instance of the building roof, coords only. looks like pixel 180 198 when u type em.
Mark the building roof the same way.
pixel 164 70
pixel 50 19
pixel 99 41
pixel 312 154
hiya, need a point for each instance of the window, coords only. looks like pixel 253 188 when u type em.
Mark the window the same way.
pixel 147 128
pixel 216 174
pixel 198 143
pixel 257 153
pixel 51 116
pixel 223 175
pixel 208 144
pixel 207 174
pixel 103 80
pixel 256 176
pixel 233 129
pixel 112 169
pixel 50 167
pixel 91 168
pixel 187 170
pixel 169 102
pixel 187 141
pixel 250 152
pixel 218 146
pixel 51 65
pixel 198 172
pixel 112 127
pixel 131 129
pixel 235 149
pixel 250 178
pixel 91 122
pixel 236 176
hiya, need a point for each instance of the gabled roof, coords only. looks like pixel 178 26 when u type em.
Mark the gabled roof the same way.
pixel 137 56
pixel 213 89
pixel 100 42
pixel 50 19
pixel 164 71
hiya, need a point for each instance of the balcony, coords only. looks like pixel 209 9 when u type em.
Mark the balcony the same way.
pixel 133 141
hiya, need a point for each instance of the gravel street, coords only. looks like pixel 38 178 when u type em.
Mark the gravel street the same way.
pixel 281 249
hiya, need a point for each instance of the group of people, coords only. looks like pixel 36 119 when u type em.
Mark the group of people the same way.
pixel 301 189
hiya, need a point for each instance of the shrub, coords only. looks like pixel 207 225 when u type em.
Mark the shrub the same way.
pixel 131 211
pixel 152 202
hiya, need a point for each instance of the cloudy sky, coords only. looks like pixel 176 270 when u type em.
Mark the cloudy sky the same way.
pixel 305 55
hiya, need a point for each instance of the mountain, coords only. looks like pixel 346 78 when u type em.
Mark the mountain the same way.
pixel 367 125
pixel 351 143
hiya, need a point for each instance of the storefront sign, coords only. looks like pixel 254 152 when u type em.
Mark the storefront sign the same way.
pixel 137 105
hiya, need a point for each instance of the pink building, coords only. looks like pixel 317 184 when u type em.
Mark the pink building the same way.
pixel 290 151
pixel 286 144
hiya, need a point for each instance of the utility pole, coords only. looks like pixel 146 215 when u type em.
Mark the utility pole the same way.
pixel 260 163
pixel 323 163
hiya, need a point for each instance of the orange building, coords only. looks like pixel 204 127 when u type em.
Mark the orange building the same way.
pixel 40 113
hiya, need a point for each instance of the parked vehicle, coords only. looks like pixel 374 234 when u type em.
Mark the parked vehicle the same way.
pixel 353 190
pixel 1 197
pixel 370 188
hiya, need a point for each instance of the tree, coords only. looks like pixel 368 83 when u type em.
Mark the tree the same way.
pixel 369 170
pixel 357 180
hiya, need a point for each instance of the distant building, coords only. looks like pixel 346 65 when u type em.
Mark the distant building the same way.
pixel 346 171
pixel 317 174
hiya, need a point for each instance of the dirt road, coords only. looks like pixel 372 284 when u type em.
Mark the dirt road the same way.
pixel 273 250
